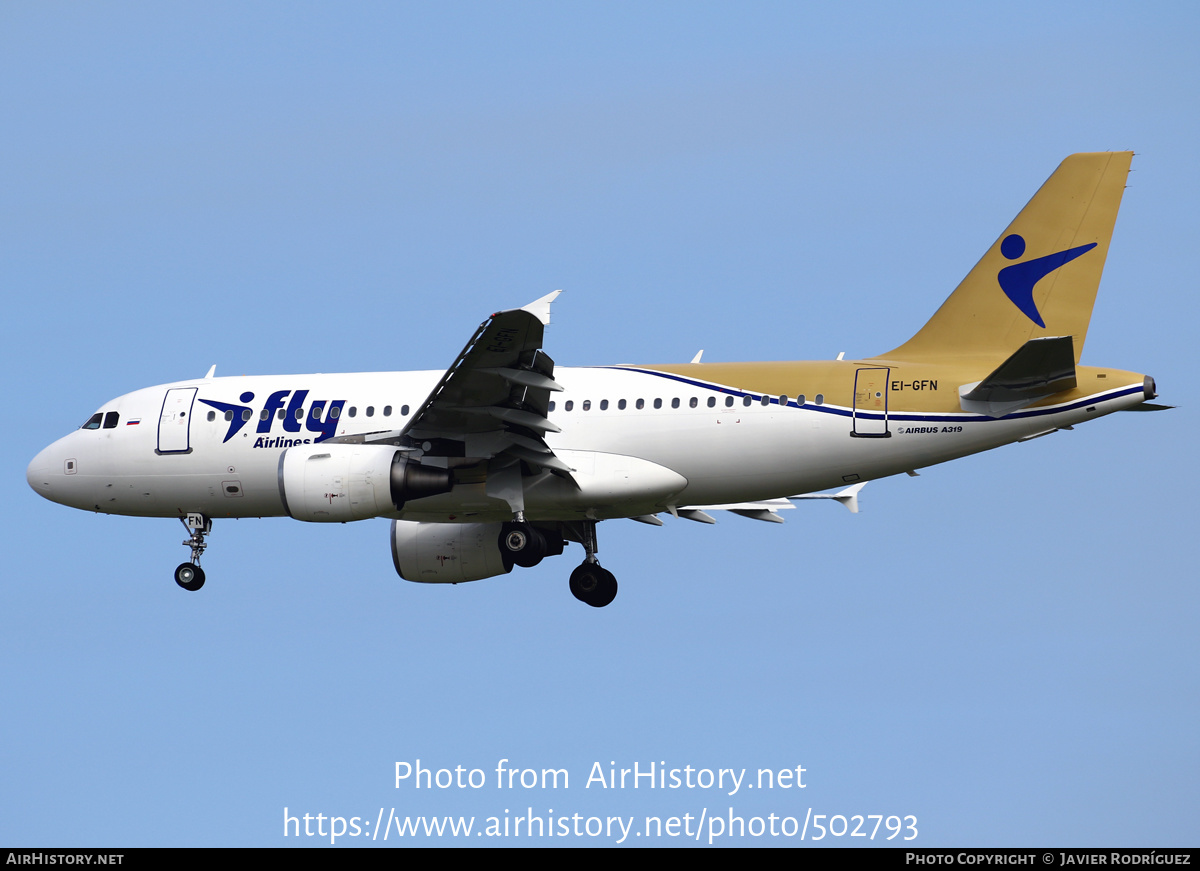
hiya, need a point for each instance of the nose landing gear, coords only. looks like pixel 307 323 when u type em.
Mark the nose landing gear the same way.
pixel 189 575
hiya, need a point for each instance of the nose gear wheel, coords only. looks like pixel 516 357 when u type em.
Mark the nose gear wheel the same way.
pixel 189 575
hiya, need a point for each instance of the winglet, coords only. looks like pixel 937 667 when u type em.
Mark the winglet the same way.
pixel 540 308
pixel 847 497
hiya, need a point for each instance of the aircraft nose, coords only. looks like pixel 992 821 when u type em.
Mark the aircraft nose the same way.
pixel 60 473
pixel 41 472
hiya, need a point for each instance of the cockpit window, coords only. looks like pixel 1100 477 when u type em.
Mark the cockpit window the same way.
pixel 93 422
pixel 111 419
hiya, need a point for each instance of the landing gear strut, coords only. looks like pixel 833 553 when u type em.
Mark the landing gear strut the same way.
pixel 189 575
pixel 590 583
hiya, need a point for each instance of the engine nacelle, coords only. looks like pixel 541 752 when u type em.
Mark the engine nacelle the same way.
pixel 447 553
pixel 340 482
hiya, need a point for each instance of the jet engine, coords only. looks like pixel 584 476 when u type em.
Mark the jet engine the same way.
pixel 340 482
pixel 447 553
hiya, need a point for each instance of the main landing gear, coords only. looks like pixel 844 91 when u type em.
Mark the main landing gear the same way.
pixel 189 575
pixel 590 583
pixel 523 544
pixel 593 585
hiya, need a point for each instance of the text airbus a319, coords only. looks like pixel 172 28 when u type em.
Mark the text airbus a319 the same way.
pixel 504 457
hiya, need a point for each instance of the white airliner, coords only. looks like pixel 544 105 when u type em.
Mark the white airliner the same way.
pixel 504 457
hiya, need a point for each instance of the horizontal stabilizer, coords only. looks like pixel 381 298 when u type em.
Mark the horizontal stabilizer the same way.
pixel 1039 368
pixel 1149 406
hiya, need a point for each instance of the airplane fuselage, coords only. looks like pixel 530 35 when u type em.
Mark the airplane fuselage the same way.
pixel 502 458
pixel 730 432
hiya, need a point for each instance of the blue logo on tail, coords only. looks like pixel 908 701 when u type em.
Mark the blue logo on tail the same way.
pixel 1017 281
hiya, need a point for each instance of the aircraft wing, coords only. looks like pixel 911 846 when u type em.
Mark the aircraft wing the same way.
pixel 494 398
pixel 767 509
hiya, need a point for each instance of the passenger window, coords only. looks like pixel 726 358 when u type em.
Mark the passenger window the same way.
pixel 93 422
pixel 212 415
pixel 315 412
pixel 820 399
pixel 658 403
pixel 404 411
pixel 354 411
pixel 783 399
pixel 800 399
pixel 587 405
pixel 229 414
pixel 299 414
pixel 569 405
pixel 675 402
pixel 335 412
pixel 620 405
pixel 729 402
pixel 550 407
pixel 641 403
pixel 263 415
pixel 746 400
pixel 693 402
pixel 387 411
pixel 604 405
pixel 766 400
pixel 370 411
pixel 110 420
pixel 247 414
pixel 712 402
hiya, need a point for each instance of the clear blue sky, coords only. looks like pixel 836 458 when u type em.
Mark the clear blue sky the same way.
pixel 1005 647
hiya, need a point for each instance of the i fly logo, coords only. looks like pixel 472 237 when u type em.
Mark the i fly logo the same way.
pixel 1017 281
pixel 322 417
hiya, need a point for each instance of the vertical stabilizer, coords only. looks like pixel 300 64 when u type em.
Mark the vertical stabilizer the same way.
pixel 1040 277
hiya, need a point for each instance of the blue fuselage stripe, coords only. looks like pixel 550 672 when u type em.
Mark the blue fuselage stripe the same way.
pixel 957 417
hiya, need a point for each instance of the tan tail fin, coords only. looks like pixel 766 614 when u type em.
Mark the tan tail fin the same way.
pixel 1040 277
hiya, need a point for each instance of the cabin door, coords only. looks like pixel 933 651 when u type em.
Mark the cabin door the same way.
pixel 175 422
pixel 870 404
